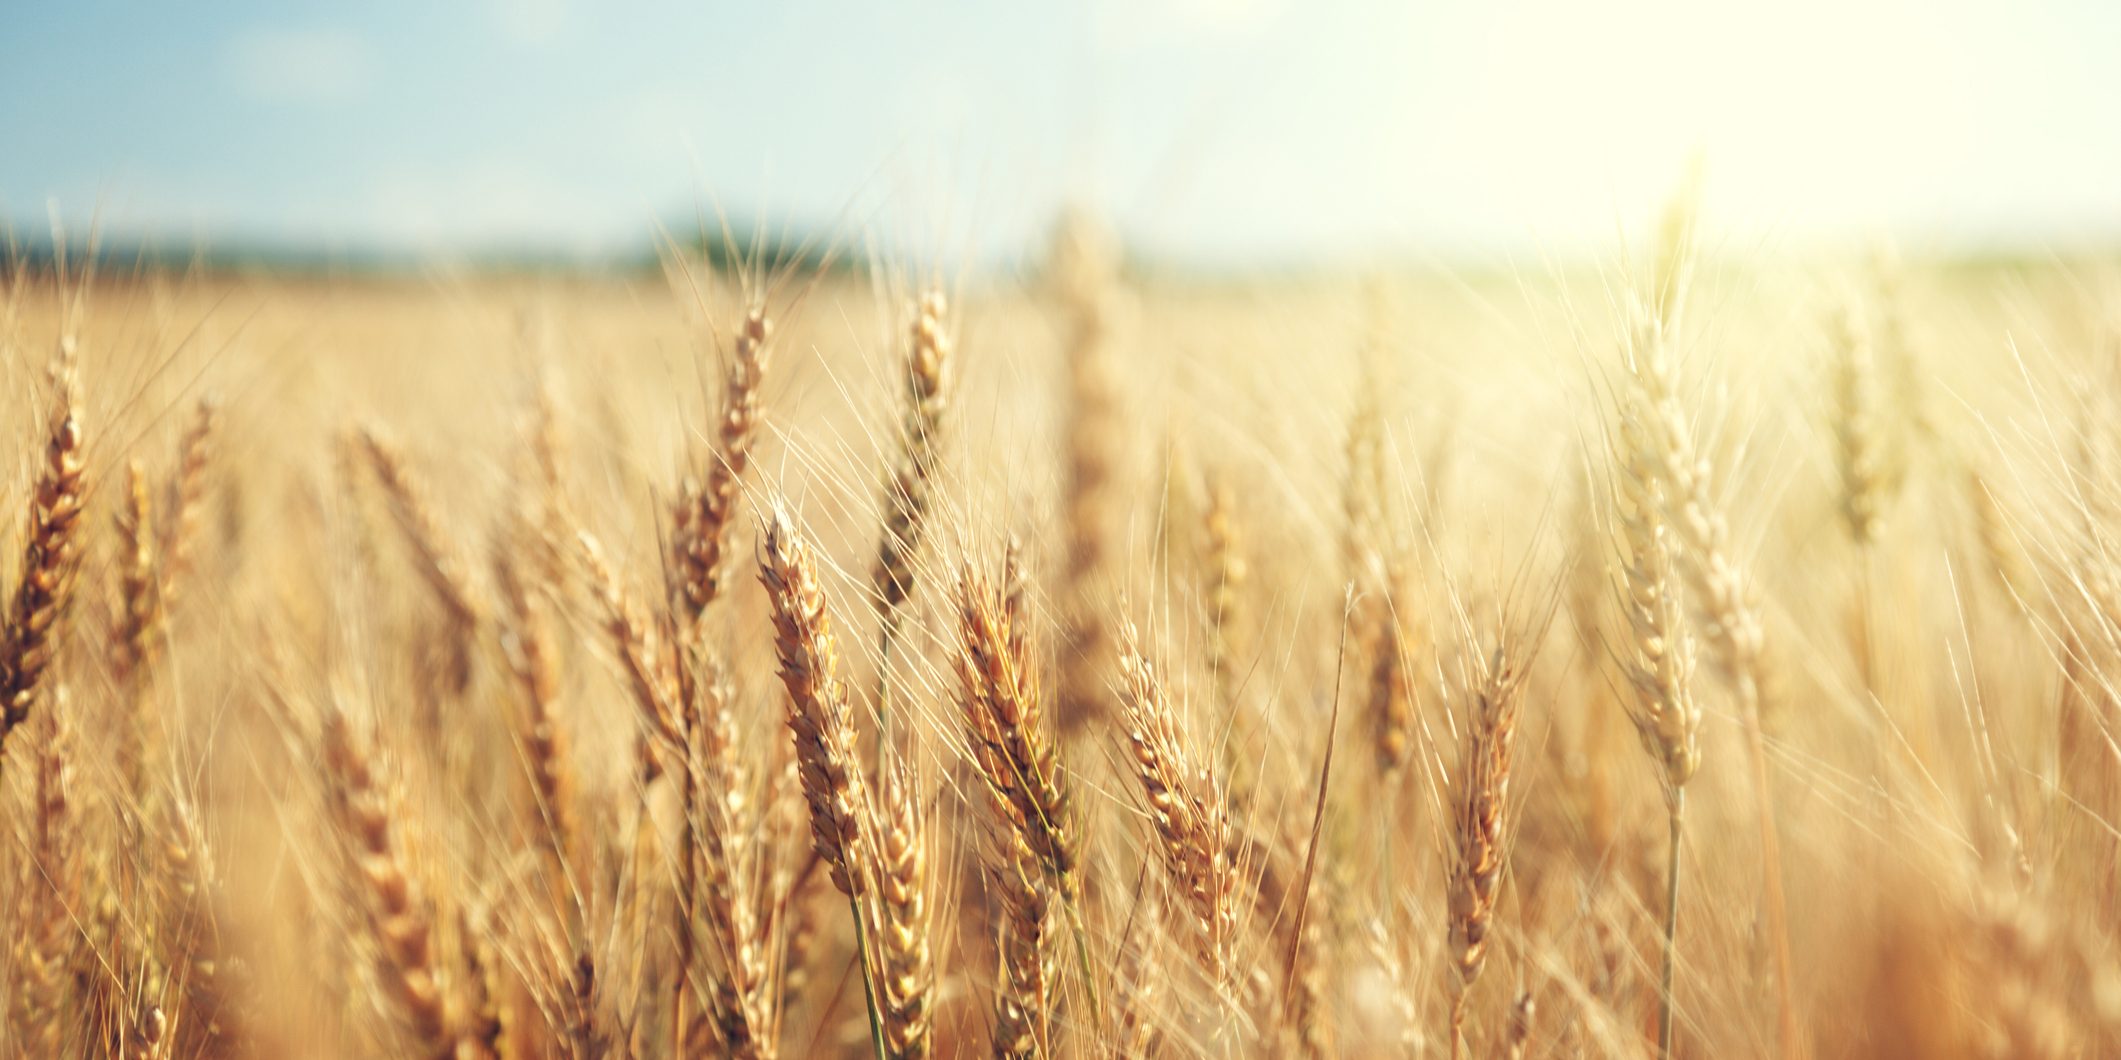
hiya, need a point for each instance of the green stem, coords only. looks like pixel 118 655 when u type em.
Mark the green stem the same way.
pixel 861 952
pixel 1671 930
pixel 1082 955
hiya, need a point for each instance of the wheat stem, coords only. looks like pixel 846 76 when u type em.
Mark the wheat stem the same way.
pixel 1771 867
pixel 1458 1026
pixel 1072 902
pixel 861 952
pixel 1671 927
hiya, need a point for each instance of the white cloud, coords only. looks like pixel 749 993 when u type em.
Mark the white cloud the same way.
pixel 299 65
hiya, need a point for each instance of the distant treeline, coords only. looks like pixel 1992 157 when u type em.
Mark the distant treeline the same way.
pixel 783 250
pixel 123 254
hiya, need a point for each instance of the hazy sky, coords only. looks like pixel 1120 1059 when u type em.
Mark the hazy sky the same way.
pixel 1206 128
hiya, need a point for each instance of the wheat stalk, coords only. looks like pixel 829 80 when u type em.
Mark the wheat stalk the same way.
pixel 1659 660
pixel 1716 579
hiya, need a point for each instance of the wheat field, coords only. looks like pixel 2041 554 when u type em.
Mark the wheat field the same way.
pixel 1696 656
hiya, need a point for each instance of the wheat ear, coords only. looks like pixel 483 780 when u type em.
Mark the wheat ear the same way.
pixel 741 1004
pixel 439 563
pixel 1481 823
pixel 906 494
pixel 704 515
pixel 1083 267
pixel 1659 660
pixel 1717 580
pixel 43 972
pixel 139 621
pixel 1225 572
pixel 1185 805
pixel 51 556
pixel 649 674
pixel 530 653
pixel 1003 710
pixel 1857 453
pixel 185 496
pixel 1023 1025
pixel 906 974
pixel 398 919
pixel 823 727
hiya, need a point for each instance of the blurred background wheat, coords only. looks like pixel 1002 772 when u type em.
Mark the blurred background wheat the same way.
pixel 1333 584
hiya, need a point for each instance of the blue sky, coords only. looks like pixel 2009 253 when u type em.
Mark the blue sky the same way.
pixel 1208 129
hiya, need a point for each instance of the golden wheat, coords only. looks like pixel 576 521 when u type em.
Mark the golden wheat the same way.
pixel 275 785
